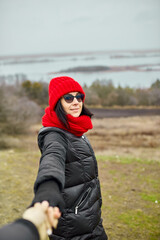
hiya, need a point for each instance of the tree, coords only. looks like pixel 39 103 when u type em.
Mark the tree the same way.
pixel 103 88
pixel 123 98
pixel 36 91
pixel 143 97
pixel 17 113
pixel 156 84
pixel 154 96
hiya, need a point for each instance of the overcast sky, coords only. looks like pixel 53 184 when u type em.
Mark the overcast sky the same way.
pixel 49 26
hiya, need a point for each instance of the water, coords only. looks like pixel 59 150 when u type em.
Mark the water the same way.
pixel 45 67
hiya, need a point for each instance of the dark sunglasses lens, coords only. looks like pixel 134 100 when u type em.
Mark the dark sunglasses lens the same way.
pixel 80 97
pixel 68 98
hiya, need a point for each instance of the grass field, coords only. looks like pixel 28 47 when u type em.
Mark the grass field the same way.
pixel 128 154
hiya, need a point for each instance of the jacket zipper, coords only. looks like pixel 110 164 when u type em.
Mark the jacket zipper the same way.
pixel 93 155
pixel 82 200
pixel 95 161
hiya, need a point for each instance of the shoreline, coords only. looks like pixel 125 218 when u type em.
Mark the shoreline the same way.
pixel 124 112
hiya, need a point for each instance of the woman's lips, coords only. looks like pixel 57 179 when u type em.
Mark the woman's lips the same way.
pixel 75 109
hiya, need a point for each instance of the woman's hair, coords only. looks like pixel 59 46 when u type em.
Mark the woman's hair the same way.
pixel 62 115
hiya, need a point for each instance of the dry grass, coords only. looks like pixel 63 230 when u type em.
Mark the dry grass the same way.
pixel 138 137
pixel 131 198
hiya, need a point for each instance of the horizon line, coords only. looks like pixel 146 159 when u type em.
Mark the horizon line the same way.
pixel 73 53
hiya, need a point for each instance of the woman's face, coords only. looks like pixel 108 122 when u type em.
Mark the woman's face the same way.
pixel 75 107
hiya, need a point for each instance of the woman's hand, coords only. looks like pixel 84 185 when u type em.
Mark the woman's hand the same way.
pixel 53 215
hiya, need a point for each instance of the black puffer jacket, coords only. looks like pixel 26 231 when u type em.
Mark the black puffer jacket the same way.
pixel 70 160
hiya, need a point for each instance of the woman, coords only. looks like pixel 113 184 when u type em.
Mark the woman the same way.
pixel 68 174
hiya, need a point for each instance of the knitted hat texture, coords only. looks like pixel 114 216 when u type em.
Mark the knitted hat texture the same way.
pixel 60 86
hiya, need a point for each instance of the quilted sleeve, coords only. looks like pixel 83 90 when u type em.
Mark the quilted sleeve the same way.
pixel 52 161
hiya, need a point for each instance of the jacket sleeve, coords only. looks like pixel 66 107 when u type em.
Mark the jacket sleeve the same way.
pixel 52 162
pixel 49 191
pixel 18 230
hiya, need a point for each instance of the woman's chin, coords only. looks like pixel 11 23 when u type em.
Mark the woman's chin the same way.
pixel 76 114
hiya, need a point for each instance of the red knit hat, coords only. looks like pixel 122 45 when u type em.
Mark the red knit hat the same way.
pixel 60 86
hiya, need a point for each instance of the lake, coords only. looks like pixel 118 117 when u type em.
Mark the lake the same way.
pixel 138 69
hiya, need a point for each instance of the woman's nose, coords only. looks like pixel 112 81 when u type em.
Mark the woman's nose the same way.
pixel 75 101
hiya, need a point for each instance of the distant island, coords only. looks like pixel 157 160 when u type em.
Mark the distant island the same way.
pixel 91 69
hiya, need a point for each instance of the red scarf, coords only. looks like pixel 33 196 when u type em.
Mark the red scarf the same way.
pixel 77 125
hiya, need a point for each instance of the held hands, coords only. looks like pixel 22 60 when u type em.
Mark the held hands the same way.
pixel 43 217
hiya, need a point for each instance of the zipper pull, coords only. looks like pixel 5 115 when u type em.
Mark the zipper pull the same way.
pixel 76 210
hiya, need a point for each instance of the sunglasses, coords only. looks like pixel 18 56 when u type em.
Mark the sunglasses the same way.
pixel 69 97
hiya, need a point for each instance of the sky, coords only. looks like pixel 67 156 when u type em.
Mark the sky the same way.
pixel 57 26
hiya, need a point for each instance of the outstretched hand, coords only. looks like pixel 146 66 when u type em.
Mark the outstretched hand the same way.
pixel 43 217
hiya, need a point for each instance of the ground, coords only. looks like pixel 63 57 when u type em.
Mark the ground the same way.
pixel 128 154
